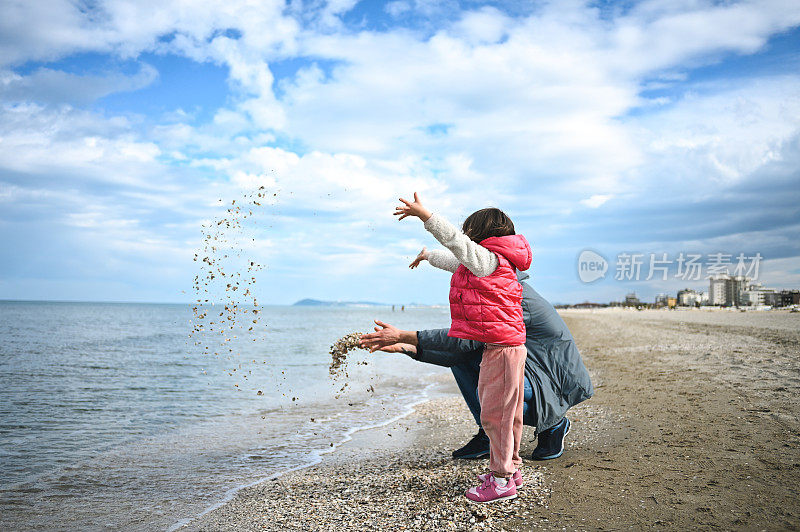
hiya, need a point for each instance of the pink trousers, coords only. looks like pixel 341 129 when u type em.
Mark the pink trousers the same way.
pixel 500 392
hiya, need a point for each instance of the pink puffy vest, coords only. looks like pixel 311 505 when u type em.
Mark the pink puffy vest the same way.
pixel 489 309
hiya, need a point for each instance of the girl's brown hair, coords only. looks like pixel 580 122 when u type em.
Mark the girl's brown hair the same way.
pixel 488 222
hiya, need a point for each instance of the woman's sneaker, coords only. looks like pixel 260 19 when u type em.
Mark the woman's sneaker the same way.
pixel 477 447
pixel 490 491
pixel 516 477
pixel 551 442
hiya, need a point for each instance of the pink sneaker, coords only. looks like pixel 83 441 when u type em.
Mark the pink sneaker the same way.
pixel 489 491
pixel 516 477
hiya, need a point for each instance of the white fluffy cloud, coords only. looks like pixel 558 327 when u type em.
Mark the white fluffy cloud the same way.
pixel 50 29
pixel 658 35
pixel 54 86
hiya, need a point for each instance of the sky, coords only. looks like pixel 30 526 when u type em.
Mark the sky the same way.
pixel 645 132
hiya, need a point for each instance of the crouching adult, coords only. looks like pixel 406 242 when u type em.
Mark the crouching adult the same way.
pixel 555 378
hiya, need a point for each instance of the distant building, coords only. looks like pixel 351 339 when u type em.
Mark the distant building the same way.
pixel 786 298
pixel 716 291
pixel 663 300
pixel 755 295
pixel 791 297
pixel 631 300
pixel 726 290
pixel 688 298
pixel 773 299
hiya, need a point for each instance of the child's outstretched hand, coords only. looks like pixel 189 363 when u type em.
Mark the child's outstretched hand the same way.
pixel 412 209
pixel 423 255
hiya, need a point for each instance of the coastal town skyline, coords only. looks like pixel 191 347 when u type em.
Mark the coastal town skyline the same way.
pixel 724 291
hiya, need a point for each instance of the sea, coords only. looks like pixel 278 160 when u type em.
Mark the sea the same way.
pixel 121 416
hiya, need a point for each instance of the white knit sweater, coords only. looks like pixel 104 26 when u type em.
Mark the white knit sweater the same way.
pixel 476 258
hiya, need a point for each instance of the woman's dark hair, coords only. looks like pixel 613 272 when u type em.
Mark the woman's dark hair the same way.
pixel 484 223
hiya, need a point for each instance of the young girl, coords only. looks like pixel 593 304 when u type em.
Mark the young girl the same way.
pixel 485 305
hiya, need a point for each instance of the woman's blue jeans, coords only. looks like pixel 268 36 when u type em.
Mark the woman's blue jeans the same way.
pixel 466 375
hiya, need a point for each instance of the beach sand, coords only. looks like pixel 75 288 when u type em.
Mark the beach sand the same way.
pixel 695 423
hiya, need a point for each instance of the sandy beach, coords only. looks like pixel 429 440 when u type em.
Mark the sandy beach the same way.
pixel 695 423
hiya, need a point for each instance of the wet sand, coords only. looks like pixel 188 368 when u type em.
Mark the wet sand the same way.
pixel 695 423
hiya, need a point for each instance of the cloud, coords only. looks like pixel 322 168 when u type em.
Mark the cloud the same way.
pixel 397 8
pixel 720 132
pixel 781 274
pixel 500 103
pixel 67 143
pixel 45 31
pixel 596 201
pixel 674 33
pixel 484 26
pixel 49 86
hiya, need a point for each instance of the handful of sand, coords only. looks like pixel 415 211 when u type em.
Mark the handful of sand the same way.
pixel 339 351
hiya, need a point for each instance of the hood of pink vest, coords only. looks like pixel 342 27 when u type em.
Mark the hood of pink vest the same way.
pixel 514 248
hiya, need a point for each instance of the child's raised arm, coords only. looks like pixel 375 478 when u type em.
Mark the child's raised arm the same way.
pixel 423 255
pixel 443 259
pixel 412 209
pixel 476 258
pixel 439 258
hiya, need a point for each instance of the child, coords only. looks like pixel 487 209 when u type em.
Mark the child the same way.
pixel 485 305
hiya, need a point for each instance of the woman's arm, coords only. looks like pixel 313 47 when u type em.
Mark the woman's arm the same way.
pixel 386 334
pixel 432 346
pixel 435 347
pixel 438 340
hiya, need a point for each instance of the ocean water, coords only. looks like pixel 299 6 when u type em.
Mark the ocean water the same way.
pixel 112 417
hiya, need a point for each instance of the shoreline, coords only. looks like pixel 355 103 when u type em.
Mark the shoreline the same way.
pixel 414 450
pixel 694 423
pixel 434 388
